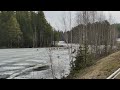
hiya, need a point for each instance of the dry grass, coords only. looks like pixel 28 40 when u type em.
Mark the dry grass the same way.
pixel 102 69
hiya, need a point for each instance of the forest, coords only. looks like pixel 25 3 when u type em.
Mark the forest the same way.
pixel 95 35
pixel 84 39
pixel 26 29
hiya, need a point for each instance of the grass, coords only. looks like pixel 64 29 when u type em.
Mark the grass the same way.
pixel 101 69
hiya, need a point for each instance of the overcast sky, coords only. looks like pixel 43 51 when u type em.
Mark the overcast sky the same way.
pixel 55 19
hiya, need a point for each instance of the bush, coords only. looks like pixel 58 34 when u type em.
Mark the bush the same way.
pixel 83 60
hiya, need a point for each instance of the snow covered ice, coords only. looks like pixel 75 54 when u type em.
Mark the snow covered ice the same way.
pixel 16 61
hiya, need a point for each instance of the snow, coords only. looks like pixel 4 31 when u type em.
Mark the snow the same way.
pixel 24 71
pixel 20 63
pixel 11 68
pixel 15 62
pixel 37 75
pixel 118 39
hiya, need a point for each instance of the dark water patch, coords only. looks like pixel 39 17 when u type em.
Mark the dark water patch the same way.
pixel 41 68
pixel 28 66
pixel 5 76
pixel 32 70
pixel 35 69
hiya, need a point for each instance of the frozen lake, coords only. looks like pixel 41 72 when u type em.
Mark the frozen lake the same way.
pixel 33 63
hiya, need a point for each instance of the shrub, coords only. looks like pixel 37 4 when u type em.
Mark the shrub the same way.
pixel 83 59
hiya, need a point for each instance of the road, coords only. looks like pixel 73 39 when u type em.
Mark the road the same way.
pixel 115 75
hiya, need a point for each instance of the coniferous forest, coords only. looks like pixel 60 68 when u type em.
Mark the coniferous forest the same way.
pixel 25 29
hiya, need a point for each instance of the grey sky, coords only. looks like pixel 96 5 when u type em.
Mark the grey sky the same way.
pixel 55 19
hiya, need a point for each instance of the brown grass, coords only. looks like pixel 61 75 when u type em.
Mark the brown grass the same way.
pixel 102 69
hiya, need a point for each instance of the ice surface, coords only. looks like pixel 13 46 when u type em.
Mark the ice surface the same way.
pixel 12 68
pixel 21 59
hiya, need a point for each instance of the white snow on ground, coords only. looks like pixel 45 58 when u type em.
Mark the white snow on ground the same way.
pixel 6 72
pixel 2 63
pixel 23 64
pixel 11 68
pixel 60 60
pixel 24 71
pixel 20 63
pixel 14 61
pixel 44 74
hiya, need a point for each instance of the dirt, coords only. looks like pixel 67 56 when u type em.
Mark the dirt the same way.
pixel 102 69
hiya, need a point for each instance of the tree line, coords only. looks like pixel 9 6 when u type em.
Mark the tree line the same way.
pixel 95 35
pixel 117 25
pixel 26 29
pixel 93 30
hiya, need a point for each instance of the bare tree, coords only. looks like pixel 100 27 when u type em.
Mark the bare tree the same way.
pixel 100 16
pixel 70 19
pixel 51 62
pixel 79 22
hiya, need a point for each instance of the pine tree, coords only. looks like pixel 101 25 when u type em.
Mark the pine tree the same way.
pixel 25 29
pixel 13 31
pixel 24 20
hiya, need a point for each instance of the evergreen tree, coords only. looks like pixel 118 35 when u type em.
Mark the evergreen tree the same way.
pixel 14 32
pixel 10 29
pixel 25 29
pixel 24 20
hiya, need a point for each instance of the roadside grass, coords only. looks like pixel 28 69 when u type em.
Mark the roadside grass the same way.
pixel 101 69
